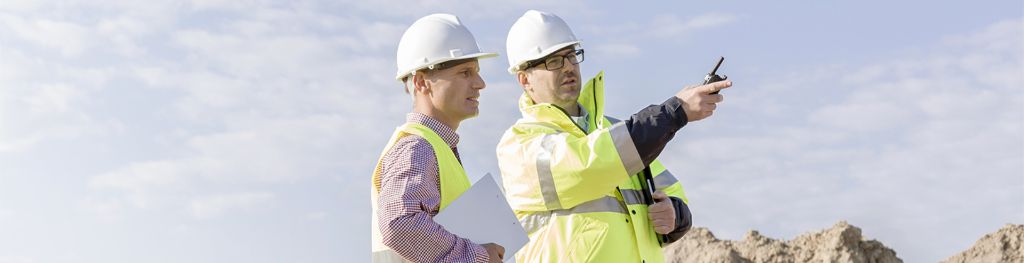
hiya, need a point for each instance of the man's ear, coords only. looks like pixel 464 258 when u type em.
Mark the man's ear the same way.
pixel 420 82
pixel 524 81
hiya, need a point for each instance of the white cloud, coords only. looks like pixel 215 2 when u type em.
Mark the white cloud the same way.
pixel 123 32
pixel 108 210
pixel 69 39
pixel 862 117
pixel 16 259
pixel 6 213
pixel 230 5
pixel 44 96
pixel 138 177
pixel 616 50
pixel 316 216
pixel 214 206
pixel 56 98
pixel 264 152
pixel 472 10
pixel 20 5
pixel 671 26
pixel 664 27
pixel 150 185
pixel 48 110
pixel 284 93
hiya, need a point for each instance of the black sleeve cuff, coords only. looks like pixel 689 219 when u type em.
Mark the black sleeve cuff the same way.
pixel 653 127
pixel 675 106
pixel 684 220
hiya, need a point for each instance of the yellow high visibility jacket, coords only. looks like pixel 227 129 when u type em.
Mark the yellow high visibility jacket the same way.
pixel 577 192
pixel 452 179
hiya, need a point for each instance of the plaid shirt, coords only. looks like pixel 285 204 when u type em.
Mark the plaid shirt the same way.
pixel 410 195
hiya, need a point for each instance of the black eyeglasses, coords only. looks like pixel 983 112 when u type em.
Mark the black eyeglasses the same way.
pixel 557 62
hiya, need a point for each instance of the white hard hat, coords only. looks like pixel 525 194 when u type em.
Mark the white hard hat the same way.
pixel 435 39
pixel 535 35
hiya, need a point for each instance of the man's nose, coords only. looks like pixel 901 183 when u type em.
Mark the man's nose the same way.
pixel 478 82
pixel 567 66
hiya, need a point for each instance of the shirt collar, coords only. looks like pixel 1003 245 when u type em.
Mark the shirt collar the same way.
pixel 582 120
pixel 447 134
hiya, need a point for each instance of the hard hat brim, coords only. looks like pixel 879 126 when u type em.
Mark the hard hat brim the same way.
pixel 512 69
pixel 480 55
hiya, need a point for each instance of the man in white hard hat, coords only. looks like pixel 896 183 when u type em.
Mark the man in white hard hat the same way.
pixel 580 181
pixel 420 172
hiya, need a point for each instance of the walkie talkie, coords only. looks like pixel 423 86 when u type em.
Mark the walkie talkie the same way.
pixel 712 78
pixel 648 188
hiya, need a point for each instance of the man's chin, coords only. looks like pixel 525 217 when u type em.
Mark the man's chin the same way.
pixel 471 114
pixel 571 96
pixel 572 92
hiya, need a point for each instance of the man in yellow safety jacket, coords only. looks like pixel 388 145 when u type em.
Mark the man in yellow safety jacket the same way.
pixel 575 177
pixel 420 172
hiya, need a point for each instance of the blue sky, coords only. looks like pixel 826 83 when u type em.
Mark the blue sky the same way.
pixel 246 131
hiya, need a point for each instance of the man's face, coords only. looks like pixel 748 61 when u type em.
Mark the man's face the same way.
pixel 560 86
pixel 455 91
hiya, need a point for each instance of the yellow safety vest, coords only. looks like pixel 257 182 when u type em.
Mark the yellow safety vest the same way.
pixel 578 192
pixel 452 178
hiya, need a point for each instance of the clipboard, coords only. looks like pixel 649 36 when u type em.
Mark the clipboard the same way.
pixel 482 215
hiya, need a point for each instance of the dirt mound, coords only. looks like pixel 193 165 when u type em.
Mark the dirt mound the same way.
pixel 841 243
pixel 1002 246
